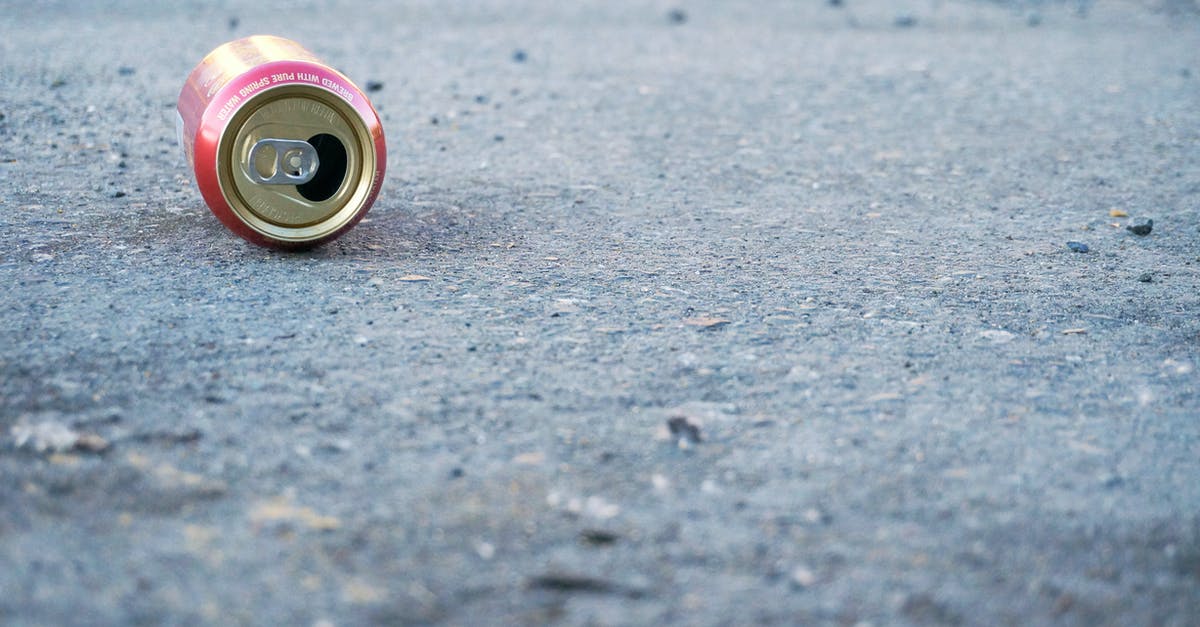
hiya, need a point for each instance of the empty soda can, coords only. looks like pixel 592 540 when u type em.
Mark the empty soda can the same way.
pixel 287 152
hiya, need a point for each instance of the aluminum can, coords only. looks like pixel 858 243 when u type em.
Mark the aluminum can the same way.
pixel 287 151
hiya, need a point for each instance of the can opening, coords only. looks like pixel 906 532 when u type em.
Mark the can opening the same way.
pixel 329 177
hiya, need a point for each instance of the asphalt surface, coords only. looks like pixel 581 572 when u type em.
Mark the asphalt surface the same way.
pixel 692 313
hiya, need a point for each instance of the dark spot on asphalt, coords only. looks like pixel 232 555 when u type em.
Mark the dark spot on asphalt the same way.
pixel 598 537
pixel 433 119
pixel 498 138
pixel 233 22
pixel 1078 247
pixel 125 70
pixel 481 99
pixel 567 582
pixel 1141 229
pixel 1186 73
pixel 118 194
pixel 58 82
pixel 905 21
pixel 684 430
pixel 1146 277
pixel 677 16
pixel 835 3
pixel 456 473
pixel 374 86
pixel 121 164
pixel 1034 20
pixel 519 56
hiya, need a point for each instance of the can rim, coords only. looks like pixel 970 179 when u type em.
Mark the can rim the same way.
pixel 332 223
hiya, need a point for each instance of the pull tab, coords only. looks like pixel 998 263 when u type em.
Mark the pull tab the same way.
pixel 296 162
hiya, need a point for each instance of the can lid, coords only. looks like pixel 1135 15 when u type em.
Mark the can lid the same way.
pixel 296 162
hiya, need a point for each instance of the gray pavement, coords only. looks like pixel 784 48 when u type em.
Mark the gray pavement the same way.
pixel 828 245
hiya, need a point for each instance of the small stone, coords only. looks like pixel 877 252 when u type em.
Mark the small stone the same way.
pixel 374 86
pixel 58 82
pixel 684 431
pixel 1146 277
pixel 125 70
pixel 677 16
pixel 519 56
pixel 91 443
pixel 485 550
pixel 905 21
pixel 803 577
pixel 1141 229
pixel 1078 247
pixel 118 194
pixel 498 138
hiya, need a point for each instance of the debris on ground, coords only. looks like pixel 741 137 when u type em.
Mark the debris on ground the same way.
pixel 1078 331
pixel 1118 213
pixel 1146 277
pixel 374 86
pixel 519 56
pixel 56 437
pixel 677 16
pixel 126 70
pixel 1141 229
pixel 684 431
pixel 1078 247
pixel 905 21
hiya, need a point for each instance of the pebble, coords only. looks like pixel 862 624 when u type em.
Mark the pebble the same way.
pixel 374 86
pixel 684 431
pixel 1078 247
pixel 1146 277
pixel 803 577
pixel 1141 229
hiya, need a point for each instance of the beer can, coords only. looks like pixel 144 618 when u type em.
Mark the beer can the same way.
pixel 287 151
